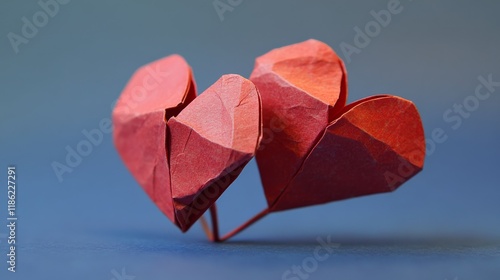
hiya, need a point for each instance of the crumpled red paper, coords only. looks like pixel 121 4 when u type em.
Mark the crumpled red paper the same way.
pixel 324 150
pixel 182 149
pixel 311 147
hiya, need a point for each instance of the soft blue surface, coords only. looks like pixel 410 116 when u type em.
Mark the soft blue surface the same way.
pixel 443 224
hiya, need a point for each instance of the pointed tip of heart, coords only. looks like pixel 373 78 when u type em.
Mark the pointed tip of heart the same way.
pixel 190 208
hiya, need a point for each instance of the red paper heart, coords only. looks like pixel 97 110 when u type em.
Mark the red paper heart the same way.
pixel 323 150
pixel 182 149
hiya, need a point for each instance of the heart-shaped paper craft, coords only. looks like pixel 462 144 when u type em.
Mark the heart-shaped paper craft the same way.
pixel 315 149
pixel 182 149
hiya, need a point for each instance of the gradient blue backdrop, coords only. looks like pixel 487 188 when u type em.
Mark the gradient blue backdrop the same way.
pixel 443 224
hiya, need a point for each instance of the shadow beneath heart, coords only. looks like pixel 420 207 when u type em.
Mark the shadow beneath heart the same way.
pixel 360 245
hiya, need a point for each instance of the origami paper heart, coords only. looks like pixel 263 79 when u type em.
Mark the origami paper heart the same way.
pixel 185 150
pixel 323 150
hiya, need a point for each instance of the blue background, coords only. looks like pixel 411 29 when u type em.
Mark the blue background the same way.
pixel 443 224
